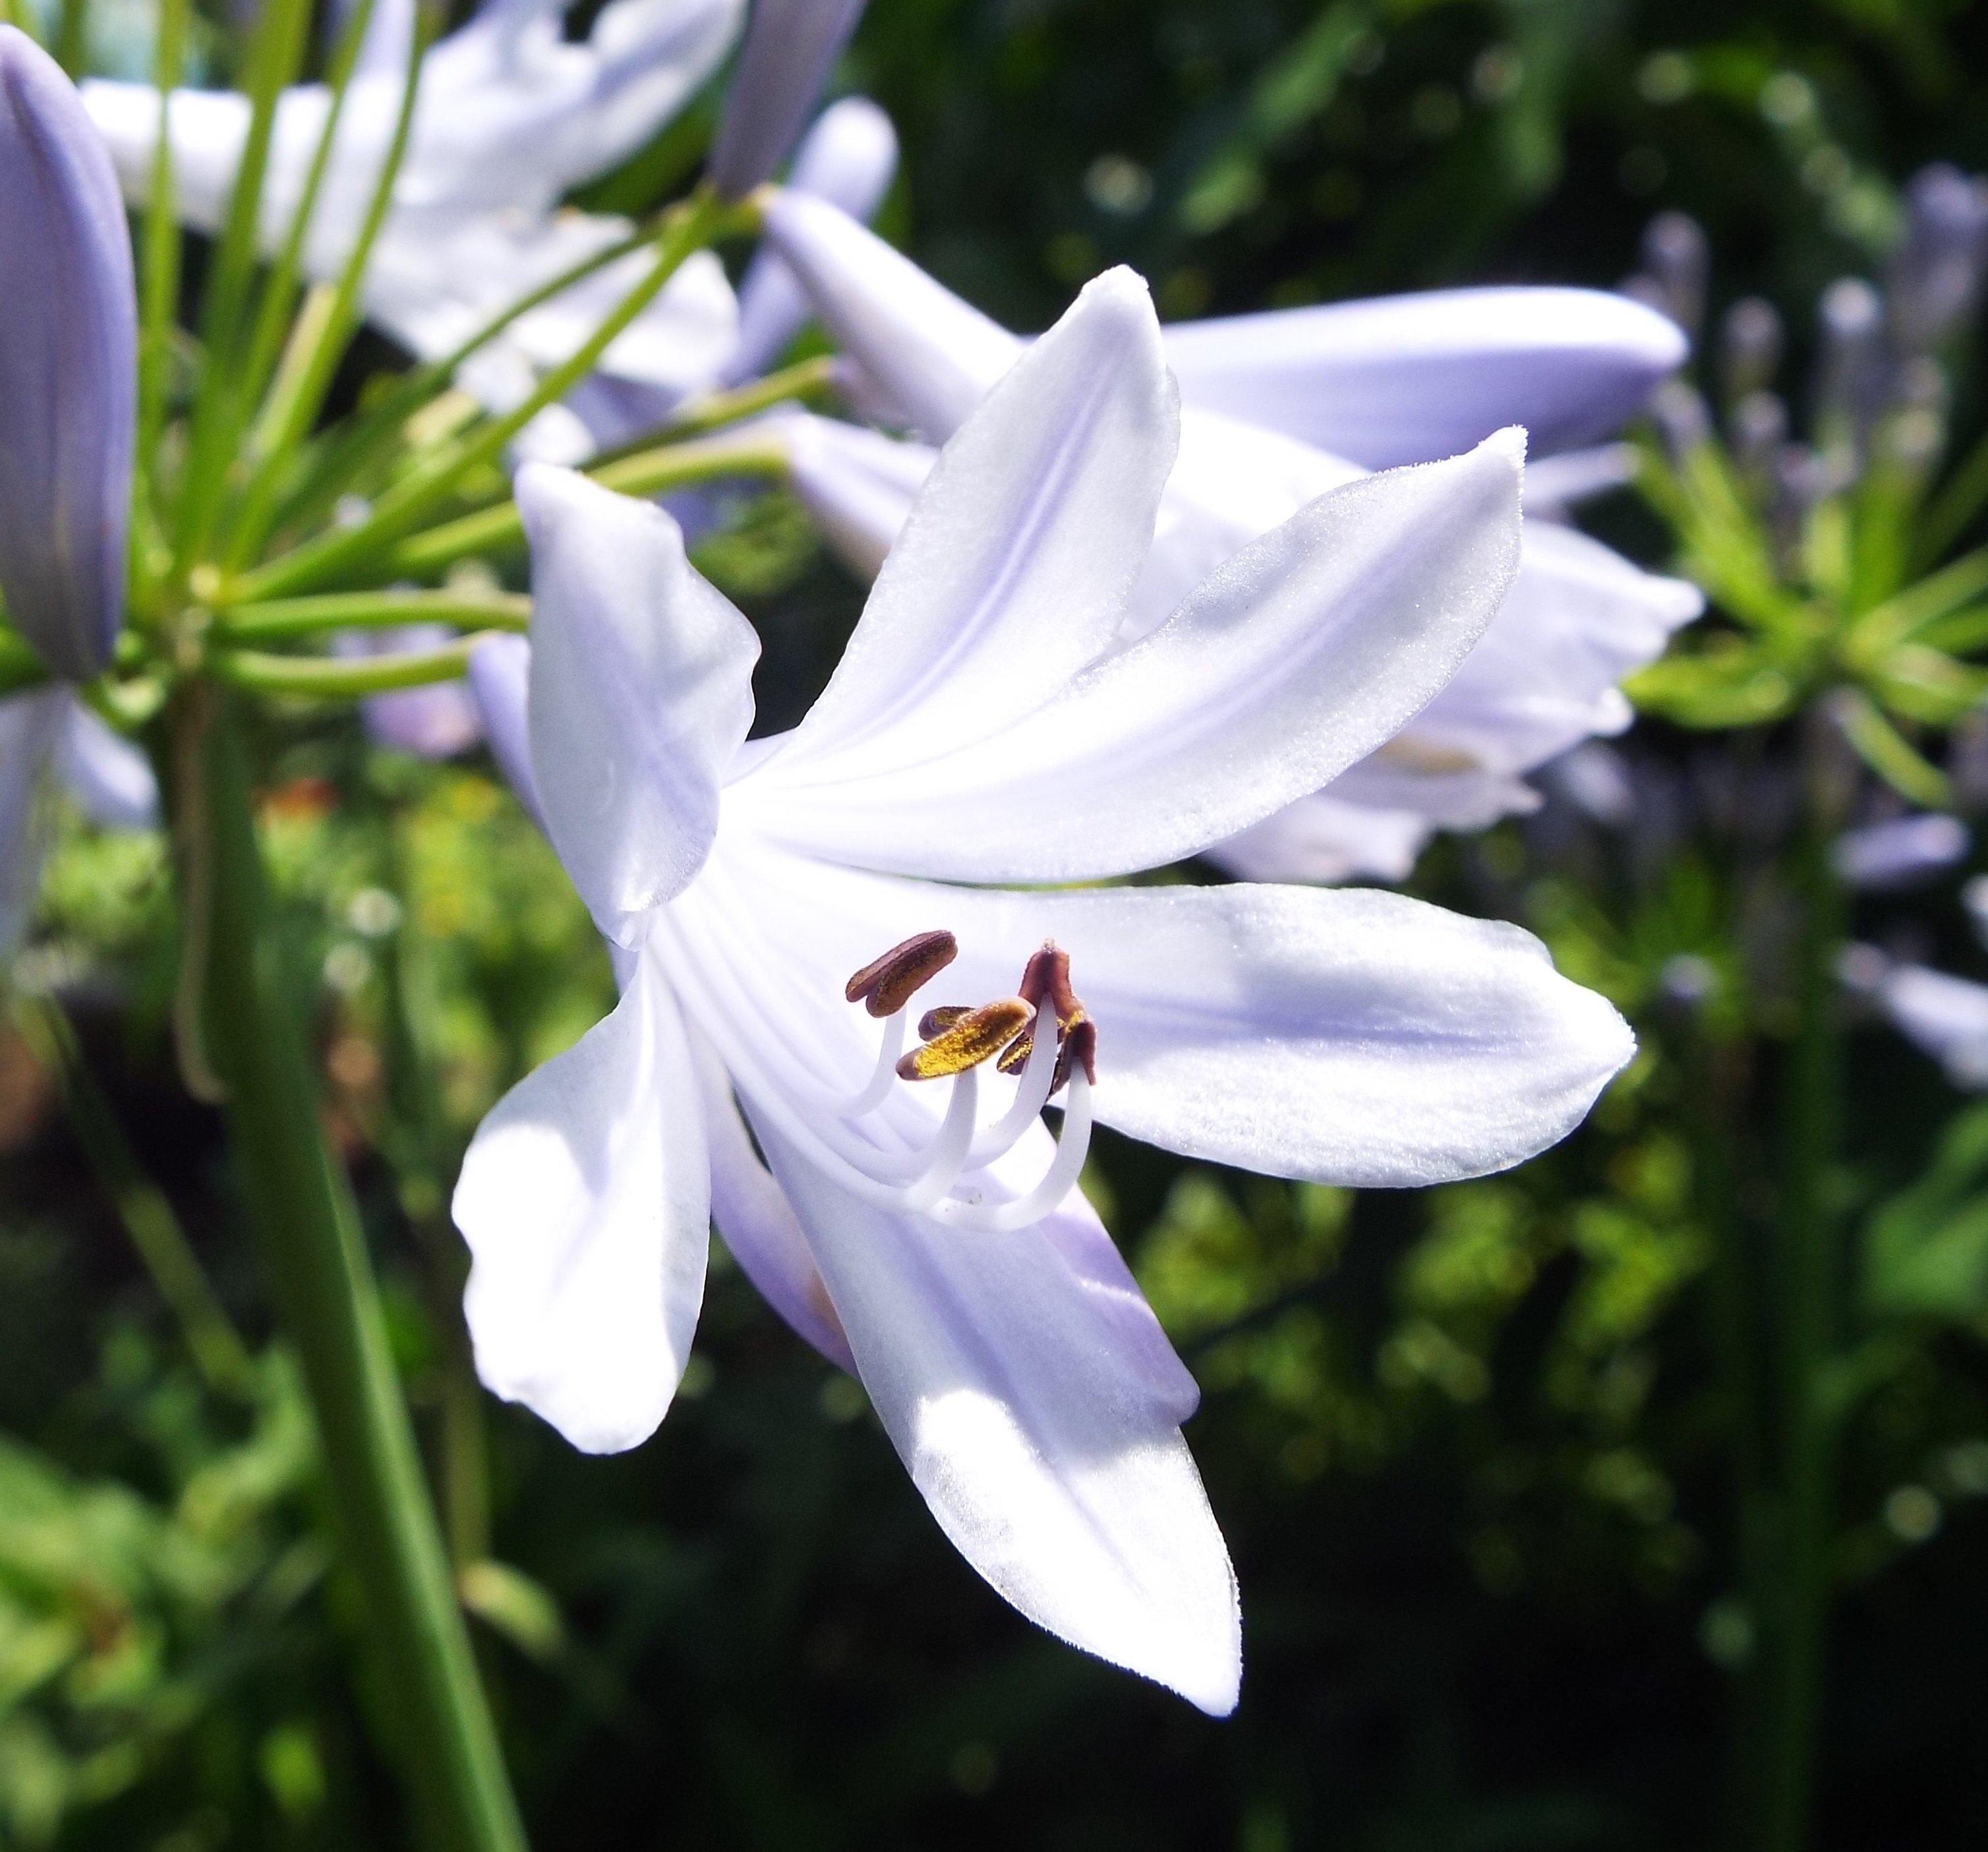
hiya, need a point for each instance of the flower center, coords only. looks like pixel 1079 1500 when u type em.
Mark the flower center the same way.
pixel 1040 1037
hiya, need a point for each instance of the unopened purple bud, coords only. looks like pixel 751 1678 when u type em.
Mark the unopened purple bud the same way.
pixel 848 158
pixel 68 367
pixel 790 47
pixel 1760 428
pixel 1937 269
pixel 1900 850
pixel 1750 346
pixel 1852 315
pixel 1675 253
pixel 1682 415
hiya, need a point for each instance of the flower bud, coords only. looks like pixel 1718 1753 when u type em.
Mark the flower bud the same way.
pixel 68 364
pixel 790 46
pixel 849 158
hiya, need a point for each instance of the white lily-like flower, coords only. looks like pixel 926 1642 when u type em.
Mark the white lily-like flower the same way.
pixel 510 116
pixel 49 738
pixel 1579 618
pixel 985 728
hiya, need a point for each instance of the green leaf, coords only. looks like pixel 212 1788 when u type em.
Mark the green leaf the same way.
pixel 1925 1251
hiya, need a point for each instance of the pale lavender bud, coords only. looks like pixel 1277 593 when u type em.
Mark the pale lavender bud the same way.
pixel 1681 416
pixel 500 674
pixel 1900 850
pixel 1759 429
pixel 1675 254
pixel 790 47
pixel 68 367
pixel 435 722
pixel 1937 270
pixel 1750 346
pixel 1852 368
pixel 848 158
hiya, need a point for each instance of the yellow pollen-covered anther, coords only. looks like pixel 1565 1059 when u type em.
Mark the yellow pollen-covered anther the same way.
pixel 934 1022
pixel 975 1036
pixel 886 984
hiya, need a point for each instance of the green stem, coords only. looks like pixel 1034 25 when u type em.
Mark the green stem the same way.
pixel 445 1740
pixel 284 618
pixel 1794 1626
pixel 688 229
pixel 498 531
pixel 342 678
pixel 212 1339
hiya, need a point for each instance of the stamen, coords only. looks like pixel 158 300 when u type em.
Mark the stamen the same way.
pixel 934 1022
pixel 976 1036
pixel 1046 976
pixel 1079 1049
pixel 1073 1147
pixel 886 984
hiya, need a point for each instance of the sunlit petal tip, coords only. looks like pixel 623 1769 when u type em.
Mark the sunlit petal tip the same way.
pixel 585 1200
pixel 68 367
pixel 641 692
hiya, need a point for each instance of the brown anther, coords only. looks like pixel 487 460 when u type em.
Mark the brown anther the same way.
pixel 1080 1044
pixel 979 1035
pixel 886 984
pixel 1046 977
pixel 934 1022
pixel 1018 1051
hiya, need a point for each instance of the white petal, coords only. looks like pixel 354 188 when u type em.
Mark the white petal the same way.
pixel 108 776
pixel 750 1211
pixel 1403 379
pixel 847 158
pixel 1302 655
pixel 1323 838
pixel 1011 572
pixel 1346 1037
pixel 585 1199
pixel 1946 1017
pixel 998 1371
pixel 936 357
pixel 641 693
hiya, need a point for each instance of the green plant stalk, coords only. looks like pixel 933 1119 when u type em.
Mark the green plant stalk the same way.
pixel 72 45
pixel 212 1340
pixel 275 53
pixel 1796 1587
pixel 689 228
pixel 446 1744
pixel 342 678
pixel 284 619
pixel 279 287
pixel 498 531
pixel 319 342
pixel 348 456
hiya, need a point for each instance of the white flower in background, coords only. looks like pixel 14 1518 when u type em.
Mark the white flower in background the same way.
pixel 984 727
pixel 1944 1017
pixel 511 116
pixel 1901 850
pixel 1579 619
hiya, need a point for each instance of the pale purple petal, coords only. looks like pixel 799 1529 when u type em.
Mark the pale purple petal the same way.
pixel 1405 379
pixel 1325 838
pixel 750 1211
pixel 436 722
pixel 585 1200
pixel 1012 571
pixel 790 47
pixel 1946 1017
pixel 641 693
pixel 68 367
pixel 847 158
pixel 859 485
pixel 500 669
pixel 1900 850
pixel 1304 653
pixel 998 1369
pixel 109 778
pixel 934 355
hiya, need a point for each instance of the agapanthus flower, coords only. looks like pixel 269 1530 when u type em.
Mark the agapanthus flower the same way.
pixel 511 116
pixel 1544 677
pixel 790 46
pixel 68 359
pixel 837 942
